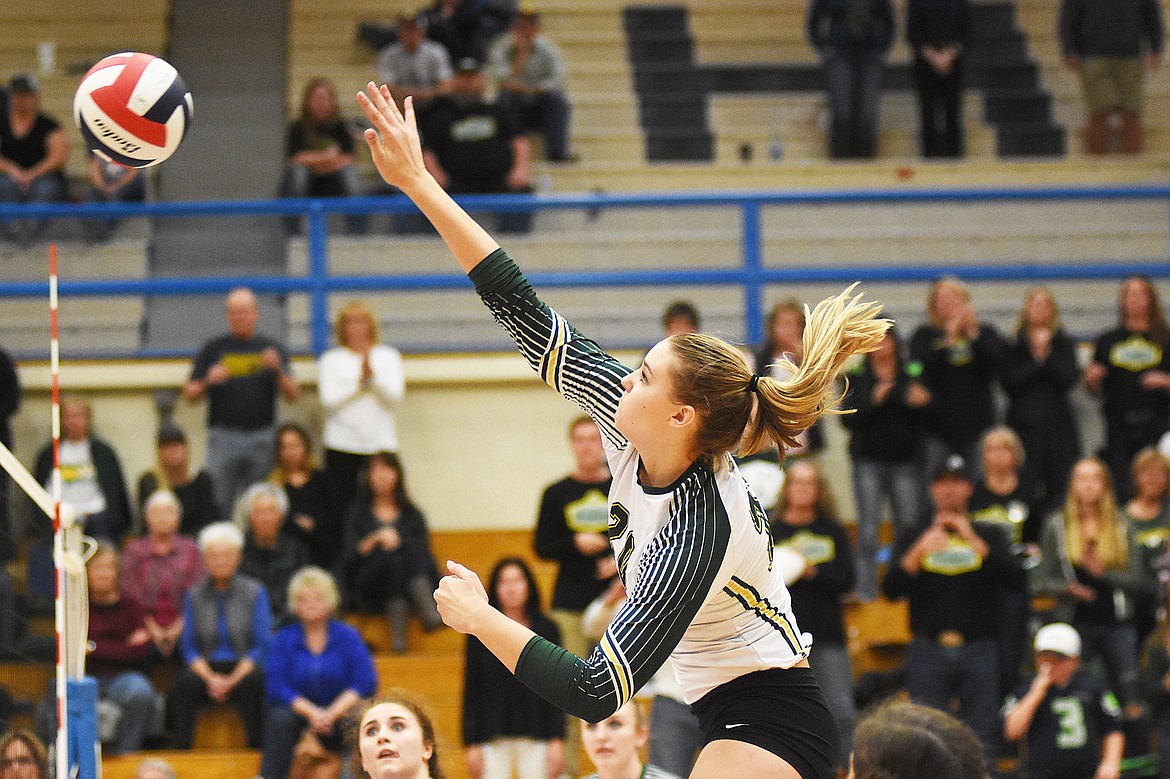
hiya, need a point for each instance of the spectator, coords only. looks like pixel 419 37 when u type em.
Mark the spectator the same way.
pixel 958 359
pixel 23 756
pixel 240 373
pixel 472 146
pixel 92 481
pixel 110 182
pixel 457 25
pixel 1130 372
pixel 680 316
pixel 508 729
pixel 806 521
pixel 318 670
pixel 386 551
pixel 1090 562
pixel 396 740
pixel 779 356
pixel 33 152
pixel 360 382
pixel 119 651
pixel 1039 369
pixel 159 568
pixel 885 446
pixel 852 39
pixel 227 626
pixel 9 404
pixel 414 66
pixel 271 555
pixel 154 768
pixel 320 149
pixel 1042 711
pixel 949 573
pixel 903 740
pixel 304 485
pixel 1155 676
pixel 1148 515
pixel 939 33
pixel 529 72
pixel 1107 46
pixel 173 472
pixel 614 745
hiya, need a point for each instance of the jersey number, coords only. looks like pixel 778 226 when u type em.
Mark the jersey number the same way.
pixel 1071 716
pixel 761 524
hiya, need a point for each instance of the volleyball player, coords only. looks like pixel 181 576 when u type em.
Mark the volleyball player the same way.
pixel 692 543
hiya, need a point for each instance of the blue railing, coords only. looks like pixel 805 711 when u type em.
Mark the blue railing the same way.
pixel 751 274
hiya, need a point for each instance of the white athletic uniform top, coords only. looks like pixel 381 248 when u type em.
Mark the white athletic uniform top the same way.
pixel 696 557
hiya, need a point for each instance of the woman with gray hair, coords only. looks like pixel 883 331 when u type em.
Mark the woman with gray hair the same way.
pixel 270 554
pixel 226 632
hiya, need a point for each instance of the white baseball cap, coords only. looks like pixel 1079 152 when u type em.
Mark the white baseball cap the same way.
pixel 1060 638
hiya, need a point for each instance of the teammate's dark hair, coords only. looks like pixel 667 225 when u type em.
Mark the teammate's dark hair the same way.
pixel 902 740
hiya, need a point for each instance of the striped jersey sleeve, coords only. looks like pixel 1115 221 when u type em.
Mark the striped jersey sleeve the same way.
pixel 675 576
pixel 573 365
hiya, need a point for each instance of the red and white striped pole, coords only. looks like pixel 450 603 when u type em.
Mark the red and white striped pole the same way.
pixel 62 750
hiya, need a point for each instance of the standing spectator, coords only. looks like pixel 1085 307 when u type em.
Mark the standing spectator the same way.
pixel 472 146
pixel 1039 370
pixel 958 359
pixel 939 32
pixel 271 555
pixel 680 316
pixel 23 756
pixel 318 670
pixel 1090 562
pixel 1148 515
pixel 240 373
pixel 529 71
pixel 1072 726
pixel 780 354
pixel 304 485
pixel 227 627
pixel 615 743
pixel 571 530
pixel 110 182
pixel 1108 44
pixel 458 26
pixel 950 574
pixel 1130 372
pixel 885 447
pixel 119 651
pixel 805 520
pixel 9 404
pixel 159 568
pixel 320 151
pixel 360 382
pixel 852 37
pixel 173 472
pixel 1155 675
pixel 508 729
pixel 386 554
pixel 414 66
pixel 903 740
pixel 33 152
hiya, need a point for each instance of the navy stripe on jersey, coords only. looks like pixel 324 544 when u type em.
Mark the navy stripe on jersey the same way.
pixel 573 365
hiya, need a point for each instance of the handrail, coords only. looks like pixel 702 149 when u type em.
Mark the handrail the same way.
pixel 751 274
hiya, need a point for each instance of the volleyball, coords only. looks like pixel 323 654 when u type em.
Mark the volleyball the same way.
pixel 133 109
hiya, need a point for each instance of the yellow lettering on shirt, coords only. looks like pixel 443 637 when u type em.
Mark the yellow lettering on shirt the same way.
pixel 957 558
pixel 243 363
pixel 1136 354
pixel 816 549
pixel 588 513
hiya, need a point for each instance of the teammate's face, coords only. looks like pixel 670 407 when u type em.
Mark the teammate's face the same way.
pixel 18 762
pixel 615 741
pixel 391 743
pixel 648 405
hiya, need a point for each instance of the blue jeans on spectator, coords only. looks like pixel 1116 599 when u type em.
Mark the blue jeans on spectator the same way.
pixel 133 191
pixel 675 735
pixel 875 482
pixel 134 695
pixel 935 674
pixel 545 111
pixel 48 188
pixel 834 673
pixel 854 80
pixel 1117 647
pixel 237 459
pixel 282 729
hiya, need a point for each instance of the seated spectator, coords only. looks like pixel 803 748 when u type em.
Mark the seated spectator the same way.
pixel 386 560
pixel 154 768
pixel 158 570
pixel 173 472
pixel 305 486
pixel 472 146
pixel 397 720
pixel 110 182
pixel 271 555
pixel 119 651
pixel 457 25
pixel 320 149
pixel 33 152
pixel 529 71
pixel 23 756
pixel 415 66
pixel 1060 693
pixel 614 745
pixel 318 670
pixel 1148 514
pixel 508 729
pixel 903 740
pixel 227 627
pixel 679 317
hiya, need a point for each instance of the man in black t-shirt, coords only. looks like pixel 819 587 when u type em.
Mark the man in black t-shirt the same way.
pixel 241 374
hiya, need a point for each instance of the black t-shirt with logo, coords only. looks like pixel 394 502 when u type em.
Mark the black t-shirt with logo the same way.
pixel 1126 355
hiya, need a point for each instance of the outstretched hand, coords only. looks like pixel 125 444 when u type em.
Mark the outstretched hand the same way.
pixel 461 597
pixel 394 142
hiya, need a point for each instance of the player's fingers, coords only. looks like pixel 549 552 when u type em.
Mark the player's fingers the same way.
pixel 461 571
pixel 408 109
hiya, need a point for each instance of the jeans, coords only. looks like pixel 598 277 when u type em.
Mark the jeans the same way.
pixel 875 482
pixel 854 79
pixel 1117 647
pixel 133 191
pixel 545 111
pixel 237 459
pixel 48 188
pixel 282 729
pixel 675 735
pixel 830 664
pixel 134 695
pixel 299 181
pixel 935 674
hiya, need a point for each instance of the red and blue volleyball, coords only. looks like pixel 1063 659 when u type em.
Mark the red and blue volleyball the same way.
pixel 133 109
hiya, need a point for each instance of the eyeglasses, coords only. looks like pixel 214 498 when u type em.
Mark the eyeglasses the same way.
pixel 14 761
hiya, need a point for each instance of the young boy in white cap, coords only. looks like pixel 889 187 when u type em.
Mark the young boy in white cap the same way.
pixel 1071 723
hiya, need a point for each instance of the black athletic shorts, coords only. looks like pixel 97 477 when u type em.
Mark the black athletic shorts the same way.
pixel 780 710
